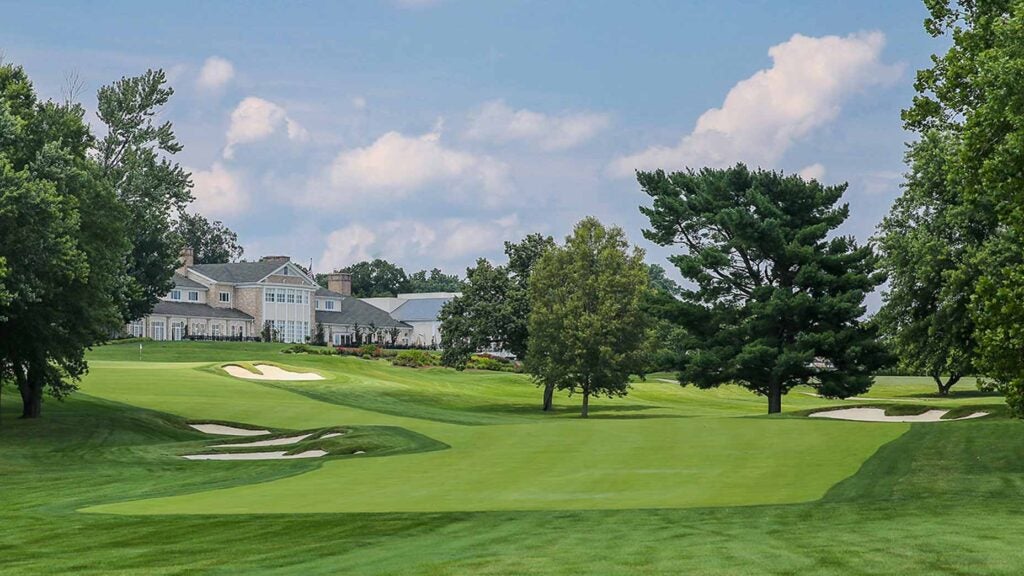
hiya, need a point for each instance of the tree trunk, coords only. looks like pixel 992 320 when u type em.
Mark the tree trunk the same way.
pixel 944 388
pixel 549 395
pixel 774 398
pixel 586 403
pixel 31 395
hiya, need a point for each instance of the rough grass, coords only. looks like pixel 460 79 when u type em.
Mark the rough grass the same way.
pixel 924 499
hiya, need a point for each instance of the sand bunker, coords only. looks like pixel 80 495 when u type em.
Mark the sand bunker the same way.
pixel 268 372
pixel 272 442
pixel 331 435
pixel 878 415
pixel 223 430
pixel 257 456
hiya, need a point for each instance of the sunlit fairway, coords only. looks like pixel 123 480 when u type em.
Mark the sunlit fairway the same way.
pixel 463 473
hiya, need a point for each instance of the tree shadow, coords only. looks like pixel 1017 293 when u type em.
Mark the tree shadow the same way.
pixel 955 394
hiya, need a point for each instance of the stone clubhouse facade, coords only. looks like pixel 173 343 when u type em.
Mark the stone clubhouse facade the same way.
pixel 238 300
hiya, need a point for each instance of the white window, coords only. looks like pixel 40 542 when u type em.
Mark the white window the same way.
pixel 156 330
pixel 224 296
pixel 336 339
pixel 175 294
pixel 268 294
pixel 215 330
pixel 193 296
pixel 177 330
pixel 329 304
pixel 290 294
pixel 319 303
pixel 136 329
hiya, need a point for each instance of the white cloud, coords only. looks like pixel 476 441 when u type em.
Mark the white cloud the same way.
pixel 497 122
pixel 255 119
pixel 218 192
pixel 359 103
pixel 448 240
pixel 396 165
pixel 815 171
pixel 764 115
pixel 215 73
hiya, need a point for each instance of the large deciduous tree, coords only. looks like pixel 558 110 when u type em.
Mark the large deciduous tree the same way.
pixel 494 309
pixel 928 243
pixel 62 243
pixel 587 325
pixel 777 299
pixel 377 278
pixel 211 242
pixel 135 156
pixel 974 93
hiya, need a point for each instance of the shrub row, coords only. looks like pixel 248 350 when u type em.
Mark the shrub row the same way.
pixel 416 358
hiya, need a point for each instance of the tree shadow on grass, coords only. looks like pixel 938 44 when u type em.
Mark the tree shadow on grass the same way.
pixel 955 394
pixel 619 411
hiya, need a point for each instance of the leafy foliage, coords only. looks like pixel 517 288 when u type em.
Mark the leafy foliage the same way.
pixel 776 302
pixel 494 308
pixel 62 245
pixel 415 359
pixel 973 93
pixel 135 160
pixel 434 281
pixel 587 324
pixel 211 242
pixel 929 242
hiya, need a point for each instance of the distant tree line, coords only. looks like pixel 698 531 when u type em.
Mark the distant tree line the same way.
pixel 380 278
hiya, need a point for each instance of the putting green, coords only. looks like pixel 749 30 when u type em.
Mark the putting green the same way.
pixel 657 448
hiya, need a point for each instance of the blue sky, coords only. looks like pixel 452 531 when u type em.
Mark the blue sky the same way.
pixel 428 132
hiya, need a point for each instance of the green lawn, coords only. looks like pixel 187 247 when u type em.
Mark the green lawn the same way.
pixel 463 474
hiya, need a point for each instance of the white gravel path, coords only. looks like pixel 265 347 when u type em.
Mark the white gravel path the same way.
pixel 878 415
pixel 268 372
pixel 272 442
pixel 257 455
pixel 223 430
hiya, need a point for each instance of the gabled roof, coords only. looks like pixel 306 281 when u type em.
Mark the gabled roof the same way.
pixel 354 311
pixel 420 310
pixel 185 282
pixel 193 309
pixel 240 272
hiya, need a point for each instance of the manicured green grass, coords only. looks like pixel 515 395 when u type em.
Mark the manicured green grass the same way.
pixel 465 475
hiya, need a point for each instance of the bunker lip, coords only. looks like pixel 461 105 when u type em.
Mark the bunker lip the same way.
pixel 224 430
pixel 269 372
pixel 878 415
pixel 257 455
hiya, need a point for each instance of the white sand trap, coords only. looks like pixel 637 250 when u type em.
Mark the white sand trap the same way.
pixel 273 442
pixel 268 372
pixel 359 452
pixel 223 430
pixel 257 456
pixel 878 415
pixel 331 435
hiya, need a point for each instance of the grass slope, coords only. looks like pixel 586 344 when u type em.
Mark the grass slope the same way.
pixel 863 498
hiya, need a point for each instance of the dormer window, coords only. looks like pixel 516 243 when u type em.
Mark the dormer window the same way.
pixel 193 296
pixel 175 294
pixel 224 297
pixel 329 304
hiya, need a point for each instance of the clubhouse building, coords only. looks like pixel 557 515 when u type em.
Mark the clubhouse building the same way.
pixel 239 300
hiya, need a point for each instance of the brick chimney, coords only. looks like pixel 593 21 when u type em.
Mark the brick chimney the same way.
pixel 340 282
pixel 187 260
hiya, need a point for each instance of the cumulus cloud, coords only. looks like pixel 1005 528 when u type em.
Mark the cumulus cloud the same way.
pixel 396 165
pixel 497 122
pixel 764 115
pixel 215 73
pixel 448 240
pixel 256 119
pixel 218 192
pixel 815 171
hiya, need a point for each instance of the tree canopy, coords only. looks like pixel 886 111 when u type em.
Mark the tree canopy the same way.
pixel 972 94
pixel 433 281
pixel 62 243
pixel 776 301
pixel 211 242
pixel 587 326
pixel 135 159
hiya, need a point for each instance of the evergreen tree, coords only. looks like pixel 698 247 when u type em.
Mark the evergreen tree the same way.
pixel 776 301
